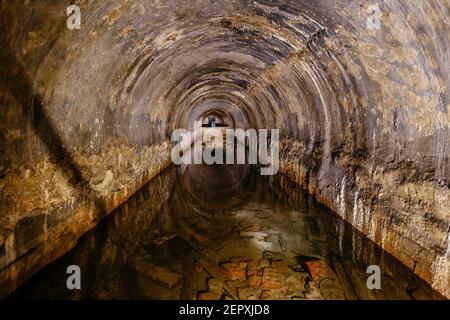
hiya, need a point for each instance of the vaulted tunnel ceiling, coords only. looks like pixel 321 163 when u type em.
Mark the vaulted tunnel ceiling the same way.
pixel 361 111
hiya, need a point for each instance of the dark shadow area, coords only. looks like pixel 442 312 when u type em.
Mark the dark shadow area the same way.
pixel 21 87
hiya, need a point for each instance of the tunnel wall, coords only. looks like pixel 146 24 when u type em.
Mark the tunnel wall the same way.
pixel 382 157
pixel 87 114
pixel 62 169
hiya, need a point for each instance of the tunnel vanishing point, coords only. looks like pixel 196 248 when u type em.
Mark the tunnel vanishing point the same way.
pixel 362 107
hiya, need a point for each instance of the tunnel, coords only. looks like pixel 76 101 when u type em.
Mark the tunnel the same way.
pixel 358 92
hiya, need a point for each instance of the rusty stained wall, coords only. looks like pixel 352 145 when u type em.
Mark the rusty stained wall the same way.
pixel 364 114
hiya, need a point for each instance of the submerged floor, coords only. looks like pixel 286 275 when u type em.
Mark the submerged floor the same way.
pixel 224 232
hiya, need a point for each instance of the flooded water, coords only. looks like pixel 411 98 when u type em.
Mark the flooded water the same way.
pixel 224 232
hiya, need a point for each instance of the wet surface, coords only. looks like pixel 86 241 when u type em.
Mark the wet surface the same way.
pixel 224 232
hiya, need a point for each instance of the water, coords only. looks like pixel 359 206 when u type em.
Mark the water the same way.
pixel 224 232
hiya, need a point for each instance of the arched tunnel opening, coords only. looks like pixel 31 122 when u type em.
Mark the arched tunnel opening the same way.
pixel 354 95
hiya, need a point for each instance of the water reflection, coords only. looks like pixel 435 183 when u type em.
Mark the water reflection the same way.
pixel 224 232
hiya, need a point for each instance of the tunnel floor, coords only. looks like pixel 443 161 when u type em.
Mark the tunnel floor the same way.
pixel 224 232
